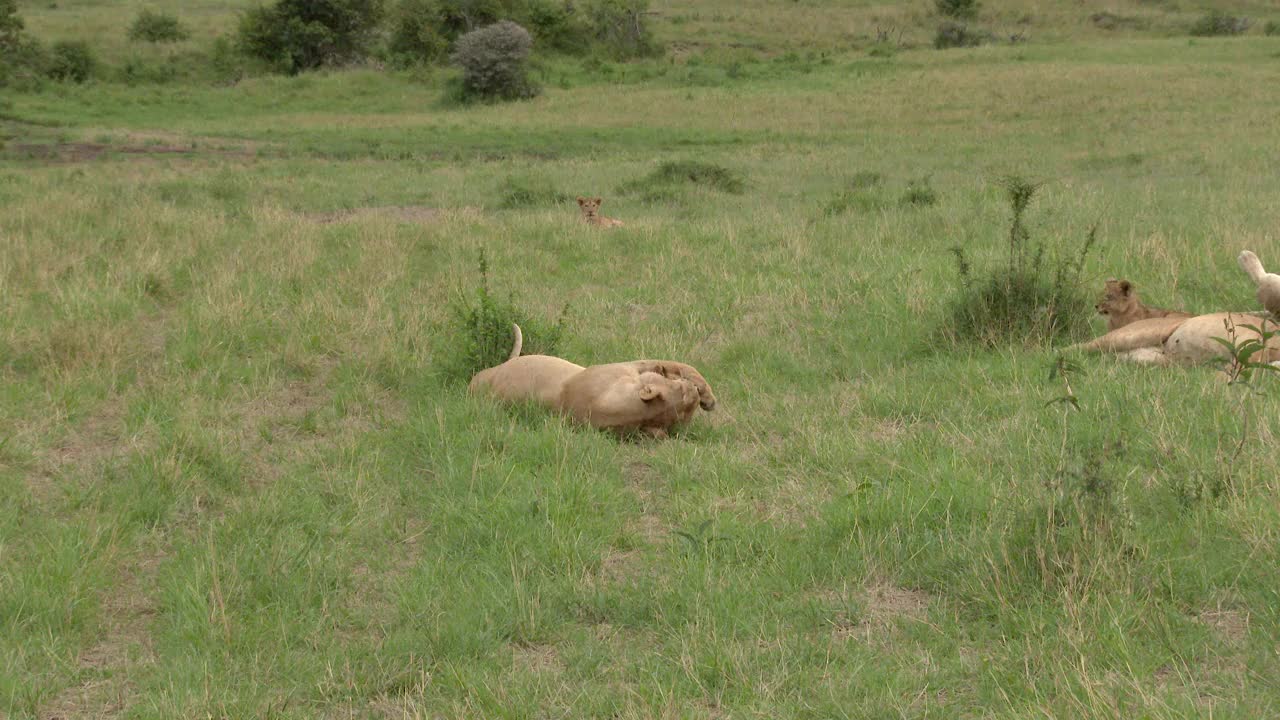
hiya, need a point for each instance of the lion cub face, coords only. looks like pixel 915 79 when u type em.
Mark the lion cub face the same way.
pixel 590 207
pixel 591 212
pixel 1117 298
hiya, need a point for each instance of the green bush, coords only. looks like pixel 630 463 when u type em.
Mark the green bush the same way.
pixel 494 62
pixel 1271 28
pixel 1032 299
pixel 664 183
pixel 860 192
pixel 424 30
pixel 298 35
pixel 418 32
pixel 1217 23
pixel 531 190
pixel 72 61
pixel 480 331
pixel 157 27
pixel 621 27
pixel 919 193
pixel 952 34
pixel 962 9
pixel 23 61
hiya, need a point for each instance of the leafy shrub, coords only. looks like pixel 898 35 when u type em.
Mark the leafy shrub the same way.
pixel 424 30
pixel 494 62
pixel 662 184
pixel 558 25
pixel 1271 28
pixel 533 190
pixel 481 330
pixel 952 34
pixel 1217 23
pixel 620 26
pixel 963 9
pixel 418 32
pixel 71 60
pixel 23 60
pixel 1032 299
pixel 1111 21
pixel 157 27
pixel 919 192
pixel 1075 532
pixel 298 35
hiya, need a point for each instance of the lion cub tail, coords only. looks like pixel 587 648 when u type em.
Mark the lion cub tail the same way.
pixel 1252 265
pixel 517 343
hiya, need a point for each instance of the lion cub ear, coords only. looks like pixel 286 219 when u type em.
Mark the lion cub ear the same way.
pixel 648 392
pixel 599 200
pixel 1126 287
pixel 581 200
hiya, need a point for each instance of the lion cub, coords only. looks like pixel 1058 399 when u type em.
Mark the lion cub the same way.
pixel 591 213
pixel 1121 305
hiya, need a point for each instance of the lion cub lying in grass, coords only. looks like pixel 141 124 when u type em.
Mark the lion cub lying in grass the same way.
pixel 591 213
pixel 646 395
pixel 1157 336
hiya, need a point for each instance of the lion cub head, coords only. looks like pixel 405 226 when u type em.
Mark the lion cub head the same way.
pixel 591 212
pixel 590 207
pixel 1118 301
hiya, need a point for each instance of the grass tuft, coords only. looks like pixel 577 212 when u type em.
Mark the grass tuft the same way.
pixel 666 182
pixel 1032 299
pixel 480 330
pixel 528 190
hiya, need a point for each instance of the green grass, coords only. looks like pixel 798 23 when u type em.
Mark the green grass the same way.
pixel 237 482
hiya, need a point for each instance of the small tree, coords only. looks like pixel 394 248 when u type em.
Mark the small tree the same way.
pixel 157 27
pixel 621 27
pixel 22 59
pixel 494 62
pixel 298 35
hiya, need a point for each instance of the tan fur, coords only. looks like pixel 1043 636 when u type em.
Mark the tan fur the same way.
pixel 1268 283
pixel 1121 305
pixel 646 395
pixel 1183 340
pixel 591 213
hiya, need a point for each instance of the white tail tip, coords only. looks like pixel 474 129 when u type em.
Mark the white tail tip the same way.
pixel 517 342
pixel 1251 265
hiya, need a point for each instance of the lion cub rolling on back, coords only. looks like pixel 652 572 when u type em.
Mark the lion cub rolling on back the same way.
pixel 1121 305
pixel 591 213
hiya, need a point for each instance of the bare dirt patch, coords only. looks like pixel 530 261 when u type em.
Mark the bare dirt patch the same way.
pixel 94 441
pixel 537 658
pixel 886 603
pixel 125 645
pixel 79 152
pixel 882 606
pixel 1231 625
pixel 278 428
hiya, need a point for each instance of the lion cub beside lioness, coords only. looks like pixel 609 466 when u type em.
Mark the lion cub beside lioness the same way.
pixel 1121 305
pixel 651 396
pixel 1157 336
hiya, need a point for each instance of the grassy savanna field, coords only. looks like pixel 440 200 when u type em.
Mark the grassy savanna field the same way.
pixel 237 482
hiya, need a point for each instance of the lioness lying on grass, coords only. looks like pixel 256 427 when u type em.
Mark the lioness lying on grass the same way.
pixel 646 395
